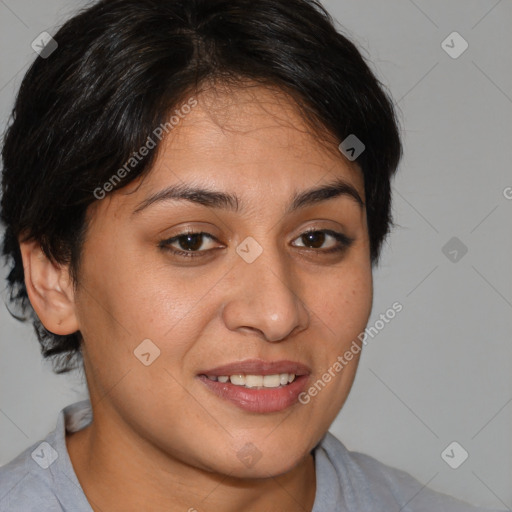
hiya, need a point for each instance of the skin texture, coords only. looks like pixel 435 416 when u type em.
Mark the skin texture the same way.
pixel 160 439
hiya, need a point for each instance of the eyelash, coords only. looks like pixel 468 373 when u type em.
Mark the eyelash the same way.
pixel 344 243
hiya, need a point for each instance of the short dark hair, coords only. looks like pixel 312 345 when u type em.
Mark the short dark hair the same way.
pixel 121 66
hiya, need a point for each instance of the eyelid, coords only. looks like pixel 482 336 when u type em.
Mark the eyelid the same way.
pixel 175 238
pixel 341 238
pixel 344 242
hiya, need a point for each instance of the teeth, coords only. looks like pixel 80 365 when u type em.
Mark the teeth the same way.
pixel 239 380
pixel 271 381
pixel 256 381
pixel 252 381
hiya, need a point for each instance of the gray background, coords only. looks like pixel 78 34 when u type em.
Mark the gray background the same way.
pixel 440 370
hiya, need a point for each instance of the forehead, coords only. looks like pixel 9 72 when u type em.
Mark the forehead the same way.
pixel 252 140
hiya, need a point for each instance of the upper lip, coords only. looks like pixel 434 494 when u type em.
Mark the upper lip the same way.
pixel 258 367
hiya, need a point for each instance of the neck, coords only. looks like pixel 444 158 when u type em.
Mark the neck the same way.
pixel 120 471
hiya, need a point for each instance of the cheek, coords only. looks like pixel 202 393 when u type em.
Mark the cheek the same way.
pixel 128 294
pixel 342 307
pixel 131 300
pixel 344 302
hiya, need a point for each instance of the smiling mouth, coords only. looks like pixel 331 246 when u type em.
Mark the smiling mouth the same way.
pixel 254 392
pixel 250 381
pixel 257 385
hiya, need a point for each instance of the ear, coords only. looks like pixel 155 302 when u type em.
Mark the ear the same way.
pixel 50 290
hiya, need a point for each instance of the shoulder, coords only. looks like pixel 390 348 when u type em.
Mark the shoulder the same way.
pixel 27 486
pixel 367 484
pixel 42 478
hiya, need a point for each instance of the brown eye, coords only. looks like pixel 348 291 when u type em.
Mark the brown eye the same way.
pixel 315 239
pixel 187 244
pixel 191 242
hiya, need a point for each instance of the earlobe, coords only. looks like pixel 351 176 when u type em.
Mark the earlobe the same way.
pixel 50 290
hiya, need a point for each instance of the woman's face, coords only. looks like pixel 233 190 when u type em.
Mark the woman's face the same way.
pixel 254 287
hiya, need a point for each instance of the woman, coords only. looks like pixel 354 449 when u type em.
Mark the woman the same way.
pixel 195 194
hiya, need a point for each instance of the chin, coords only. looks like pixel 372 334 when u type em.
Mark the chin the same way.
pixel 268 462
pixel 249 462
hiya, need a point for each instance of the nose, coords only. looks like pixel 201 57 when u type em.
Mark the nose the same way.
pixel 264 297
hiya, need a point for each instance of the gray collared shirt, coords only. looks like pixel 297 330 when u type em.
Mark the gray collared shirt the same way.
pixel 42 478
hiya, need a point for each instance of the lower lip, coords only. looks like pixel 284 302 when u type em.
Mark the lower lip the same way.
pixel 258 400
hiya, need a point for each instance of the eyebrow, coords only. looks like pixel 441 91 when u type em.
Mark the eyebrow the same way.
pixel 222 200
